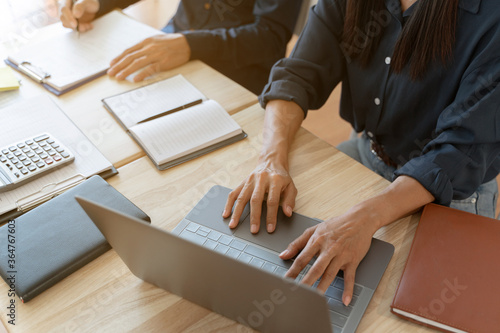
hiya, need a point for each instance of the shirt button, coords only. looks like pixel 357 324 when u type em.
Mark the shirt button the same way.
pixel 377 101
pixel 207 6
pixel 473 200
pixel 370 134
pixel 388 60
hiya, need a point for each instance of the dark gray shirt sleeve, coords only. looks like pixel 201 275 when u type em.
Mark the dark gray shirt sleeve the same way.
pixel 264 38
pixel 317 63
pixel 105 6
pixel 465 149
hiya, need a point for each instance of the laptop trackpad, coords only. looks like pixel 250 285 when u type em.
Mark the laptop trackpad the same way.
pixel 208 211
pixel 287 230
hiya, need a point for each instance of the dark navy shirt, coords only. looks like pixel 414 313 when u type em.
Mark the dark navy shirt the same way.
pixel 443 130
pixel 240 38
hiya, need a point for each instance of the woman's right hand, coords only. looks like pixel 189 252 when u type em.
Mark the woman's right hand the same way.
pixel 269 179
pixel 79 14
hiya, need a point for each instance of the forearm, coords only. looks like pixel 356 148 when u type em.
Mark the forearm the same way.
pixel 401 198
pixel 281 123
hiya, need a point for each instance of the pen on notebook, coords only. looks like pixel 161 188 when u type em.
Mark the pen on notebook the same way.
pixel 198 101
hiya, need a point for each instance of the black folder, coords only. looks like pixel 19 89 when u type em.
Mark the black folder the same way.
pixel 57 238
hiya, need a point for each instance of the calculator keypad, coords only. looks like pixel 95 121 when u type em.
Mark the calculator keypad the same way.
pixel 33 156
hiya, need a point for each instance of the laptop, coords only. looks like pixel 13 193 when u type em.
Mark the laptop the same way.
pixel 235 273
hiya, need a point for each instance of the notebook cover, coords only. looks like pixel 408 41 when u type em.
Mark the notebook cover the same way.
pixel 452 275
pixel 57 238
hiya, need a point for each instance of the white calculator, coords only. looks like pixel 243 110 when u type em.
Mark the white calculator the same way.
pixel 28 159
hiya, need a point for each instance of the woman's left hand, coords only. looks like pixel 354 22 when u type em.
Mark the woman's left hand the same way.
pixel 339 243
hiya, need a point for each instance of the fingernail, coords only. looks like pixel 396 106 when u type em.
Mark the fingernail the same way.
pixel 289 210
pixel 73 25
pixel 232 223
pixel 347 300
pixel 284 253
pixel 270 227
pixel 254 228
pixel 224 213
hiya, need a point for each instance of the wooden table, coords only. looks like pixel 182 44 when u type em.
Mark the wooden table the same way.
pixel 105 297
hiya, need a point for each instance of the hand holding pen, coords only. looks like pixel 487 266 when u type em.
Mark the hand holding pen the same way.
pixel 79 14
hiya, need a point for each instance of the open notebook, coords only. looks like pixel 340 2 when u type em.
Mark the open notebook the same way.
pixel 173 121
pixel 69 59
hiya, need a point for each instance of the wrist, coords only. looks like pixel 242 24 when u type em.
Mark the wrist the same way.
pixel 282 121
pixel 273 163
pixel 370 214
pixel 403 197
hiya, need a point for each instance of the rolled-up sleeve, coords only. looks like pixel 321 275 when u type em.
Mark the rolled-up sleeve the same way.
pixel 248 44
pixel 317 63
pixel 465 149
pixel 105 6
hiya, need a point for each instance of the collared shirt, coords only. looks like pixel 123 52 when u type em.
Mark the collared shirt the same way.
pixel 443 130
pixel 240 38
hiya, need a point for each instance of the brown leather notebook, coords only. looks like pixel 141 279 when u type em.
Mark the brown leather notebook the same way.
pixel 451 280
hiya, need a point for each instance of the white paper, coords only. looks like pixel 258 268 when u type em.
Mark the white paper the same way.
pixel 33 116
pixel 185 131
pixel 142 103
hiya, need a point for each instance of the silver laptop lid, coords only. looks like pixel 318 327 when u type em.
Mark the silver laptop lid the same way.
pixel 222 284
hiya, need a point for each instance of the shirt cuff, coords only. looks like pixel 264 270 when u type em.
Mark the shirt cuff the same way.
pixel 287 91
pixel 431 176
pixel 202 44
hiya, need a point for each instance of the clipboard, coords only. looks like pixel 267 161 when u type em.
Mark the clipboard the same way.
pixel 63 60
pixel 41 77
pixel 33 200
pixel 42 113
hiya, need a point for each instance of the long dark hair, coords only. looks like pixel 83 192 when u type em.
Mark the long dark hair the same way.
pixel 428 35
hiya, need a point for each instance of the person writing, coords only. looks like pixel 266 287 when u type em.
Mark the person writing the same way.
pixel 420 81
pixel 242 39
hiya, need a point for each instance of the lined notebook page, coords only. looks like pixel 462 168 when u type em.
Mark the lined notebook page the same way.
pixel 70 57
pixel 183 132
pixel 154 99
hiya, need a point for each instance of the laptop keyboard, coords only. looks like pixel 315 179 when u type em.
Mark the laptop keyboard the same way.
pixel 270 262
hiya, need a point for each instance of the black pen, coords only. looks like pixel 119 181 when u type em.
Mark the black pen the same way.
pixel 198 101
